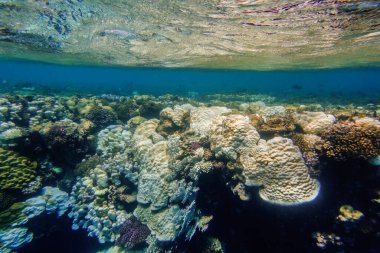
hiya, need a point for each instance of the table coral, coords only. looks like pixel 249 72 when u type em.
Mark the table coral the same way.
pixel 16 171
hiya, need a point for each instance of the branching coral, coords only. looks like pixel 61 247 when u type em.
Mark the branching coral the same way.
pixel 348 140
pixel 15 171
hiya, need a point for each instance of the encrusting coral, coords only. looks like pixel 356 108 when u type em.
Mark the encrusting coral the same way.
pixel 352 140
pixel 348 214
pixel 16 171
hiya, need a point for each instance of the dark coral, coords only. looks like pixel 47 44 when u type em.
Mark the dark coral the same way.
pixel 273 125
pixel 6 200
pixel 348 140
pixel 65 143
pixel 83 168
pixel 311 149
pixel 101 117
pixel 132 233
pixel 143 106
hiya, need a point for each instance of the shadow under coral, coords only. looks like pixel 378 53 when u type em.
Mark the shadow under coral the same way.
pixel 258 226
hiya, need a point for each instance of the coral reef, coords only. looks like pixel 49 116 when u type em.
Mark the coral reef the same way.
pixel 143 106
pixel 352 140
pixel 141 189
pixel 13 226
pixel 95 206
pixel 132 233
pixel 15 171
pixel 201 118
pixel 276 164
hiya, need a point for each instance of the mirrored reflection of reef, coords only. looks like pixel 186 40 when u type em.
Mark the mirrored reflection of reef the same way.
pixel 214 33
pixel 186 174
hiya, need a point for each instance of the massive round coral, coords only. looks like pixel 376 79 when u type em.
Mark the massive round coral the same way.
pixel 65 142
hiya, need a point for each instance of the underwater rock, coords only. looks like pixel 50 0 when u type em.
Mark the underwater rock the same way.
pixel 15 171
pixel 315 122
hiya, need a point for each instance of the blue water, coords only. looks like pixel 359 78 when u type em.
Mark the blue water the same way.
pixel 350 82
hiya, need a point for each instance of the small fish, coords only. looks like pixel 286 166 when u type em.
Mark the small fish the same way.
pixel 118 32
pixel 296 87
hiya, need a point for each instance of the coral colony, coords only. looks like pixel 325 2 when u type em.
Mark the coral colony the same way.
pixel 130 176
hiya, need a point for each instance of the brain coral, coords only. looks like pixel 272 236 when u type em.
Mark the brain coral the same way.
pixel 281 171
pixel 15 171
pixel 348 140
pixel 278 167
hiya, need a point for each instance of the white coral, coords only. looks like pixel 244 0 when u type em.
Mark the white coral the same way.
pixel 277 166
pixel 315 122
